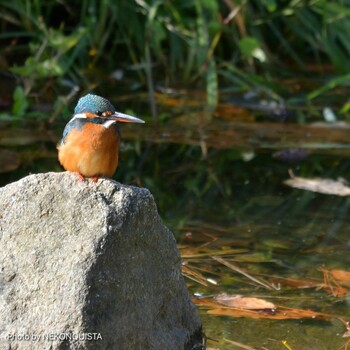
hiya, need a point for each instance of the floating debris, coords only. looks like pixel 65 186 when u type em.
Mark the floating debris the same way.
pixel 326 186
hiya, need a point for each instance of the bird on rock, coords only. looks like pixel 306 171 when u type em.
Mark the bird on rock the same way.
pixel 91 139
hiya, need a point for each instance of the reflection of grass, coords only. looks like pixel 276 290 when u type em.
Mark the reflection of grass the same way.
pixel 242 45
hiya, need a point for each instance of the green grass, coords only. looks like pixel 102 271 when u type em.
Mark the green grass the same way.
pixel 208 44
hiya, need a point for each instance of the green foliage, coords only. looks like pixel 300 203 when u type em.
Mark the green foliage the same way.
pixel 212 84
pixel 342 80
pixel 191 40
pixel 250 48
pixel 52 55
pixel 20 102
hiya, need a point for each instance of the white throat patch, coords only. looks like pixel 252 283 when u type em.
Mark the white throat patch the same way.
pixel 108 123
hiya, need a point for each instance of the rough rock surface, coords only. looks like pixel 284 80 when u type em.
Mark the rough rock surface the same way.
pixel 81 261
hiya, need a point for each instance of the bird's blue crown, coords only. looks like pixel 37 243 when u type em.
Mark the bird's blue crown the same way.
pixel 93 103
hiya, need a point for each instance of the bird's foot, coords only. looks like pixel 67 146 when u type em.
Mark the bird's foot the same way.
pixel 81 177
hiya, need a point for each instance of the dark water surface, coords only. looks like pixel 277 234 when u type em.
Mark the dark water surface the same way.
pixel 218 182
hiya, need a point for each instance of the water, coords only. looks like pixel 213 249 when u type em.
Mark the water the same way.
pixel 218 183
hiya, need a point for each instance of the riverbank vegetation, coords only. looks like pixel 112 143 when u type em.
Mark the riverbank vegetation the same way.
pixel 269 49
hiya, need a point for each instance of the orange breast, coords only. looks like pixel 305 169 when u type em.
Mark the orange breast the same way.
pixel 92 150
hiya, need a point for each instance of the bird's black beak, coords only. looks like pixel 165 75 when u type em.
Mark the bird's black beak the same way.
pixel 125 118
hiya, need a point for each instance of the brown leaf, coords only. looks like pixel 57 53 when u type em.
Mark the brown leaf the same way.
pixel 297 283
pixel 335 290
pixel 241 302
pixel 332 285
pixel 341 276
pixel 346 334
pixel 325 186
pixel 194 275
pixel 281 313
pixel 277 313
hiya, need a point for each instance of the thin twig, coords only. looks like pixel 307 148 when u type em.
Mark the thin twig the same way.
pixel 237 269
pixel 240 345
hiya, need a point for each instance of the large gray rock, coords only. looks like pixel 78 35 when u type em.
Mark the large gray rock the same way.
pixel 81 261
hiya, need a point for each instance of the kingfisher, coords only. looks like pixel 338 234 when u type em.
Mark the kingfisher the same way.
pixel 91 139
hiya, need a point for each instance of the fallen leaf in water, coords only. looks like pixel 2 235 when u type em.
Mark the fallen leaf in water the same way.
pixel 332 285
pixel 277 313
pixel 296 283
pixel 335 290
pixel 346 334
pixel 325 186
pixel 194 275
pixel 241 302
pixel 341 276
pixel 280 313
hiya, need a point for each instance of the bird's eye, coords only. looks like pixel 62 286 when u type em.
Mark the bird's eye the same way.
pixel 99 113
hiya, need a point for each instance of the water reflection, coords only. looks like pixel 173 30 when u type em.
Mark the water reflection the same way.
pixel 219 187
